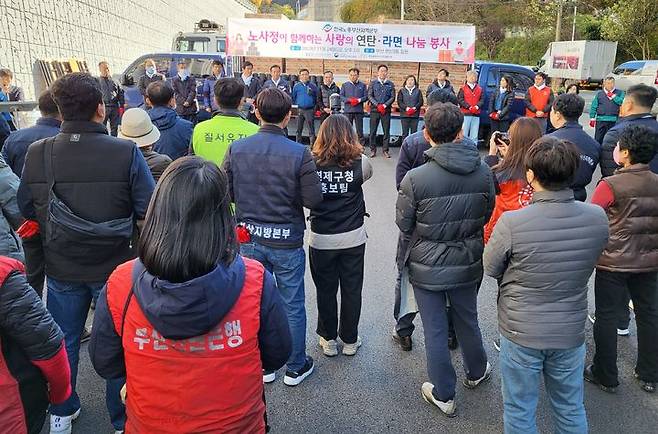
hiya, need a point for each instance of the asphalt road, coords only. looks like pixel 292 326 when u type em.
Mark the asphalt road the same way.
pixel 378 390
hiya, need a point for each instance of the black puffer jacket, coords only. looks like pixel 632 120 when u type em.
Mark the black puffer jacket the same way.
pixel 445 204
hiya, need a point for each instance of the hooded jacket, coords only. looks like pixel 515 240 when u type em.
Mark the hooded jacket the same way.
pixel 444 205
pixel 215 332
pixel 15 147
pixel 175 133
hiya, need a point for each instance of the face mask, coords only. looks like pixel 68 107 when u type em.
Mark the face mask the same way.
pixel 616 156
pixel 503 90
pixel 150 70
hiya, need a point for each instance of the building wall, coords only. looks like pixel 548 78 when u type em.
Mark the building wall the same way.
pixel 92 30
pixel 324 10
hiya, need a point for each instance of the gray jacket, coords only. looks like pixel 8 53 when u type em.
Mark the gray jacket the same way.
pixel 543 256
pixel 10 218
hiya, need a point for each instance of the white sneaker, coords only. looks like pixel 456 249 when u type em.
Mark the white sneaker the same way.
pixel 351 349
pixel 630 305
pixel 448 408
pixel 472 384
pixel 269 377
pixel 329 348
pixel 623 332
pixel 591 318
pixel 62 424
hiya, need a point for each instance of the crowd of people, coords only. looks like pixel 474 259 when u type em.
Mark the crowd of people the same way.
pixel 189 239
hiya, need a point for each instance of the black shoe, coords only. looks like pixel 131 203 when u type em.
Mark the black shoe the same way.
pixel 293 378
pixel 452 342
pixel 591 378
pixel 647 386
pixel 86 335
pixel 404 341
pixel 386 154
pixel 497 344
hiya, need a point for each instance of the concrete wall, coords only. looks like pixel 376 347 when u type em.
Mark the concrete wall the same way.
pixel 114 30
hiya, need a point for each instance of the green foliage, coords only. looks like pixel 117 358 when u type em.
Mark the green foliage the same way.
pixel 633 23
pixel 360 11
pixel 523 50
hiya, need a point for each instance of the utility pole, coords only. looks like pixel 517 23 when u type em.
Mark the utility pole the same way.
pixel 558 25
pixel 402 10
pixel 573 29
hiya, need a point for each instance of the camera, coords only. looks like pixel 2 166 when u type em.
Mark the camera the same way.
pixel 501 138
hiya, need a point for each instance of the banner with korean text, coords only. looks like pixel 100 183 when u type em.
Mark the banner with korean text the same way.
pixel 376 42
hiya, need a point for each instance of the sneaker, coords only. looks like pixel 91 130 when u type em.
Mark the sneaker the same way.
pixel 496 343
pixel 86 335
pixel 630 305
pixel 472 384
pixel 623 332
pixel 591 317
pixel 269 376
pixel 447 408
pixel 329 347
pixel 405 342
pixel 647 386
pixel 293 378
pixel 62 424
pixel 591 378
pixel 351 349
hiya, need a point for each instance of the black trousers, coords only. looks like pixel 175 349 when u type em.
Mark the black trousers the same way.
pixel 306 117
pixel 610 295
pixel 357 120
pixel 35 263
pixel 375 118
pixel 409 126
pixel 112 115
pixel 329 269
pixel 601 129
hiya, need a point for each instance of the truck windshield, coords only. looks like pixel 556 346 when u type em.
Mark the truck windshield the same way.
pixel 192 44
pixel 221 45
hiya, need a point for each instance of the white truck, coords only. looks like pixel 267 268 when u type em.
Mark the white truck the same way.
pixel 583 62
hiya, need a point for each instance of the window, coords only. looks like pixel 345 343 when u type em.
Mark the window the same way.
pixel 221 45
pixel 521 81
pixel 492 78
pixel 192 44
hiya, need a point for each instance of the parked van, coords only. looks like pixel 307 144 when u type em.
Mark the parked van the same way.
pixel 645 74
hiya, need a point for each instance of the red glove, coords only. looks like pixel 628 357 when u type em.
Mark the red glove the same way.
pixel 353 102
pixel 592 123
pixel 381 108
pixel 242 233
pixel 495 116
pixel 318 113
pixel 28 229
pixel 410 111
pixel 121 111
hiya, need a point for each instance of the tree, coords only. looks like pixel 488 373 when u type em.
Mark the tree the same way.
pixel 632 23
pixel 491 35
pixel 261 4
pixel 361 11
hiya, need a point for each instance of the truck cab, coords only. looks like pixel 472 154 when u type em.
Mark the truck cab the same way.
pixel 200 68
pixel 207 37
pixel 489 75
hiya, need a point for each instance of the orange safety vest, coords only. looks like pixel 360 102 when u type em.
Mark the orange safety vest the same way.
pixel 538 98
pixel 207 384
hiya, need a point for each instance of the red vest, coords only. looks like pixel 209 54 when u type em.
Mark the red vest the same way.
pixel 514 194
pixel 538 98
pixel 207 384
pixel 472 97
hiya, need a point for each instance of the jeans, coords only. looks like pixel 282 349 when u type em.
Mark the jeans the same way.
pixel 330 268
pixel 288 267
pixel 522 368
pixel 68 303
pixel 306 117
pixel 385 119
pixel 610 291
pixel 409 126
pixel 112 115
pixel 471 127
pixel 432 307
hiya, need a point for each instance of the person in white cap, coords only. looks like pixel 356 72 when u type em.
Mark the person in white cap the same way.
pixel 136 125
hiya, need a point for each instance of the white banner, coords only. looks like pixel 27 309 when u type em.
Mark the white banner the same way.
pixel 377 42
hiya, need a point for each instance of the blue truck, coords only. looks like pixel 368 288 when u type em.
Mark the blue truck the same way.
pixel 200 68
